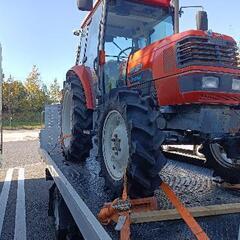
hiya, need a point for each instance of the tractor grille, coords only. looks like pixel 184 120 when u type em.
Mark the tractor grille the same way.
pixel 207 51
pixel 214 97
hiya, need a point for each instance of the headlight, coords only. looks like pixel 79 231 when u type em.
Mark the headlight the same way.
pixel 236 84
pixel 210 82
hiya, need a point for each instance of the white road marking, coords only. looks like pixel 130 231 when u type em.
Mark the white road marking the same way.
pixel 239 233
pixel 4 196
pixel 20 219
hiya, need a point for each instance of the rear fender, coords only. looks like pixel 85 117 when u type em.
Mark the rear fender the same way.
pixel 85 76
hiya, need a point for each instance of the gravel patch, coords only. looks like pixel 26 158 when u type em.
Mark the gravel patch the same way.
pixel 20 135
pixel 20 154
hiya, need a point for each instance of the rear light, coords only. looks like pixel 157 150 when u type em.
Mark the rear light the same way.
pixel 236 84
pixel 210 82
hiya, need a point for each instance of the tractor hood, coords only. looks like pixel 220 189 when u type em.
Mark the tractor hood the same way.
pixel 164 43
pixel 179 62
pixel 200 33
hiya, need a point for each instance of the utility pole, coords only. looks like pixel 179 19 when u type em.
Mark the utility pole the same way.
pixel 1 83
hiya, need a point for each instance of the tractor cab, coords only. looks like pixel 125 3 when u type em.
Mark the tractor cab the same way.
pixel 120 37
pixel 130 27
pixel 118 29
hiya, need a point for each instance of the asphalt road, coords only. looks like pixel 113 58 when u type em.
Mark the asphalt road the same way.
pixel 23 190
pixel 24 195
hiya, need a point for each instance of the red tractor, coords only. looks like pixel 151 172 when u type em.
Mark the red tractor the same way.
pixel 139 84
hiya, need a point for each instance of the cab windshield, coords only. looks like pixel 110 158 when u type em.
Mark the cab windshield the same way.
pixel 142 24
pixel 129 27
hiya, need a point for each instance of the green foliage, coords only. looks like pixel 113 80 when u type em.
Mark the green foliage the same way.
pixel 23 120
pixel 14 96
pixel 36 94
pixel 23 102
pixel 54 92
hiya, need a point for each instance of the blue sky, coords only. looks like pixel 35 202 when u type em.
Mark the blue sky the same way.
pixel 40 32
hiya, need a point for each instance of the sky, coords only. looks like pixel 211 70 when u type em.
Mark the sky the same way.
pixel 40 32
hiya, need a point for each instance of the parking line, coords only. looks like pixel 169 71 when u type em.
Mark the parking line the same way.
pixel 4 196
pixel 239 233
pixel 20 218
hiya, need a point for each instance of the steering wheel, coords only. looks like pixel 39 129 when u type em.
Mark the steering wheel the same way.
pixel 123 51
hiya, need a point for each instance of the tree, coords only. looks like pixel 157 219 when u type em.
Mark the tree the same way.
pixel 23 102
pixel 14 98
pixel 36 94
pixel 239 54
pixel 7 95
pixel 55 92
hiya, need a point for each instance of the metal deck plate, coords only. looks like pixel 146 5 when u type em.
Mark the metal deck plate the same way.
pixel 192 184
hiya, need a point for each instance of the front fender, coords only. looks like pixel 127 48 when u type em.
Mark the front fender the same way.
pixel 85 76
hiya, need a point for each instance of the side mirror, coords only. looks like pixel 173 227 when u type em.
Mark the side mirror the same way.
pixel 85 5
pixel 202 20
pixel 77 32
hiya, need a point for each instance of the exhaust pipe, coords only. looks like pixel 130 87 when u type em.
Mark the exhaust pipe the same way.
pixel 201 17
pixel 202 20
pixel 176 16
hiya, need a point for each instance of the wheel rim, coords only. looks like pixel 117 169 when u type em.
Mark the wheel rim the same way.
pixel 115 145
pixel 220 154
pixel 67 117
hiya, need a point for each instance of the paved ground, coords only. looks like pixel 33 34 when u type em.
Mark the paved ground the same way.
pixel 25 174
pixel 20 135
pixel 24 195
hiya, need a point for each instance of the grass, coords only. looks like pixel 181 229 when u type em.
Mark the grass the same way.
pixel 27 120
pixel 27 127
pixel 21 125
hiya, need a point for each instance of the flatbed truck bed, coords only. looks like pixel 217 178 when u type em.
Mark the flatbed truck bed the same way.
pixel 84 193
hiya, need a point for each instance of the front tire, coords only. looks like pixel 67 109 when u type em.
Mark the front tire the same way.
pixel 129 141
pixel 76 121
pixel 223 167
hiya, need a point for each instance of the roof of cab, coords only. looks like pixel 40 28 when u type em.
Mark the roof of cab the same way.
pixel 164 3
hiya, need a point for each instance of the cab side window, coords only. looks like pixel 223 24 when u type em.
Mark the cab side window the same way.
pixel 83 44
pixel 93 38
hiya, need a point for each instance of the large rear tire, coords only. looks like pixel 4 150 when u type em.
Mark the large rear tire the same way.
pixel 129 141
pixel 223 166
pixel 76 122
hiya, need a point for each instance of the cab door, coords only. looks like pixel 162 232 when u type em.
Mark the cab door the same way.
pixel 90 52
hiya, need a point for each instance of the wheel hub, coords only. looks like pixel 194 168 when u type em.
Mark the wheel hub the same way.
pixel 115 145
pixel 220 153
pixel 116 141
